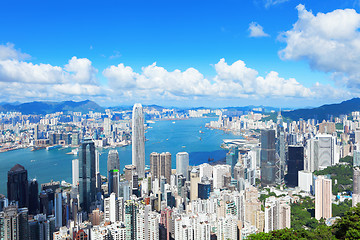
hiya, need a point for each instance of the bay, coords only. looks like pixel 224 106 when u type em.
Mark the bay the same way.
pixel 164 136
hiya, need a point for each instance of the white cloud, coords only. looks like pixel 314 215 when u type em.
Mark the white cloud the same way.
pixel 80 70
pixel 24 80
pixel 9 52
pixel 269 3
pixel 330 42
pixel 116 54
pixel 256 30
pixel 231 81
pixel 77 80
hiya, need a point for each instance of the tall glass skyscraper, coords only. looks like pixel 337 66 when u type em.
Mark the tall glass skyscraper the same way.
pixel 182 163
pixel 267 158
pixel 113 161
pixel 138 140
pixel 18 186
pixel 87 174
pixel 280 150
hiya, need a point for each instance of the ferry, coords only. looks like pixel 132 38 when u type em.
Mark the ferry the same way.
pixel 53 147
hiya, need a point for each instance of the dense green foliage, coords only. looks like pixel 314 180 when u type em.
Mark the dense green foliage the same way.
pixel 301 214
pixel 321 232
pixel 342 173
pixel 347 159
pixel 338 210
pixel 347 227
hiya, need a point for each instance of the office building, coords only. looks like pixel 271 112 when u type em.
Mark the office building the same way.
pixel 322 152
pixel 165 166
pixel 15 223
pixel 129 171
pixel 280 150
pixel 305 180
pixel 160 166
pixel 113 181
pixel 182 163
pixel 194 181
pixel 204 189
pixel 138 140
pixel 323 195
pixel 154 165
pixel 219 171
pixel 87 174
pixel 113 161
pixel 206 170
pixel 75 172
pixel 58 209
pixel 268 158
pixel 356 158
pixel 295 164
pixel 18 186
pixel 33 197
pixel 356 186
pixel 232 158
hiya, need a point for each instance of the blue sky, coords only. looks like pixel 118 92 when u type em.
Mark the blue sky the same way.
pixel 61 50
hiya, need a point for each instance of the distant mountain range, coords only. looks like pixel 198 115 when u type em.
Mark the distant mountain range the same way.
pixel 51 107
pixel 319 113
pixel 324 112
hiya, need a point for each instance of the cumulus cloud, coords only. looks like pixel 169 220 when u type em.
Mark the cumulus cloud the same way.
pixel 256 30
pixel 231 81
pixel 330 42
pixel 23 80
pixel 9 52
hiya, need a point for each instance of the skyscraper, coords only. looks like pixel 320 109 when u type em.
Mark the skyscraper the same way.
pixel 113 160
pixel 87 174
pixel 33 197
pixel 138 140
pixel 182 163
pixel 113 181
pixel 295 164
pixel 323 194
pixel 75 172
pixel 154 165
pixel 58 209
pixel 165 166
pixel 267 158
pixel 280 150
pixel 15 223
pixel 232 158
pixel 356 186
pixel 17 186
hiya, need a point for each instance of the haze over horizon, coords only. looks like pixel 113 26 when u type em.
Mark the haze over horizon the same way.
pixel 275 53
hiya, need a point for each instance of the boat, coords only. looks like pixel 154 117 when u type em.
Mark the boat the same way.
pixel 35 148
pixel 74 152
pixel 201 132
pixel 53 147
pixel 173 122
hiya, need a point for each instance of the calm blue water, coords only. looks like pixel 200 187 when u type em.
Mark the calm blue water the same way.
pixel 164 136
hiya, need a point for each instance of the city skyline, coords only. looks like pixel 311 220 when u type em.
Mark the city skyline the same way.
pixel 229 54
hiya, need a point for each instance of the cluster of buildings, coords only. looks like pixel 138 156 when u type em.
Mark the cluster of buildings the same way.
pixel 209 201
pixel 109 129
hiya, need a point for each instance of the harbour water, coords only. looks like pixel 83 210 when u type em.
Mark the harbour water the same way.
pixel 164 136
